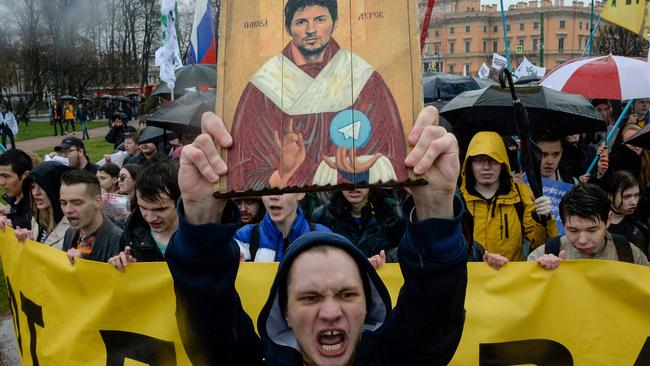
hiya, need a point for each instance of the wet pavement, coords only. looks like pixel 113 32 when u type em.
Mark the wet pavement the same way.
pixel 8 346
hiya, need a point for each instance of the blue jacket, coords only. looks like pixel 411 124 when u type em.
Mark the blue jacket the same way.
pixel 423 329
pixel 271 241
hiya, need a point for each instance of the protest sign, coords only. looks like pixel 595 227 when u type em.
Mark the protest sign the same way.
pixel 563 315
pixel 322 111
pixel 116 207
pixel 484 71
pixel 555 190
pixel 498 61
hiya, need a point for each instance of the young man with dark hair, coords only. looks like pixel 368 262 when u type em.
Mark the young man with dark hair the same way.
pixel 151 225
pixel 74 150
pixel 132 149
pixel 15 166
pixel 327 305
pixel 551 146
pixel 91 235
pixel 585 213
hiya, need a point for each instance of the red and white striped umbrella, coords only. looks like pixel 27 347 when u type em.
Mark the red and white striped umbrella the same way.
pixel 602 77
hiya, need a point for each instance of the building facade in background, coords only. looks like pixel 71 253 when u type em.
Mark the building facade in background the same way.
pixel 463 34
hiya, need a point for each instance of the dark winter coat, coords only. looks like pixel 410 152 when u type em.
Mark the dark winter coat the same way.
pixel 106 245
pixel 137 235
pixel 116 134
pixel 382 222
pixel 423 329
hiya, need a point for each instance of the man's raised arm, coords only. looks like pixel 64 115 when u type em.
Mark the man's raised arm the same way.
pixel 427 322
pixel 203 259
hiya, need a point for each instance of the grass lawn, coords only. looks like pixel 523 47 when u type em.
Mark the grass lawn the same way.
pixel 38 129
pixel 96 148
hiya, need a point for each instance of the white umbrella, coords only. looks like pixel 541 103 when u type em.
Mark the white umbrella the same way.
pixel 602 77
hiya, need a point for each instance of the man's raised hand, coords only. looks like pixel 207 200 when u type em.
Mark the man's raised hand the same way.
pixel 435 158
pixel 122 260
pixel 201 167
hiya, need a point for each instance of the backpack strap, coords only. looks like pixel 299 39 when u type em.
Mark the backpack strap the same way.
pixel 553 246
pixel 254 242
pixel 623 248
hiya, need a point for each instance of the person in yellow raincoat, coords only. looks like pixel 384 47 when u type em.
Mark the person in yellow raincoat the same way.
pixel 68 115
pixel 496 202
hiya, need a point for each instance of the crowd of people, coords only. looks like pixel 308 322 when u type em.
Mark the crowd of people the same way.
pixel 327 293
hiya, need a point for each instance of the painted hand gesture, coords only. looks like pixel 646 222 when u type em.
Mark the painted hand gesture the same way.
pixel 292 150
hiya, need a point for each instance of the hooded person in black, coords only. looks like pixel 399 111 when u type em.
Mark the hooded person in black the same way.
pixel 48 223
pixel 423 329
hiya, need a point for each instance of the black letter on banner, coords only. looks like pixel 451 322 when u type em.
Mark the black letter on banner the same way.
pixel 122 345
pixel 541 352
pixel 14 312
pixel 644 355
pixel 34 314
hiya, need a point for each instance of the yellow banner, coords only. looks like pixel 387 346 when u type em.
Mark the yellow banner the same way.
pixel 629 14
pixel 584 313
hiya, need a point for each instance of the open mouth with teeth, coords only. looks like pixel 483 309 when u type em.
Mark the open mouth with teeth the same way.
pixel 331 343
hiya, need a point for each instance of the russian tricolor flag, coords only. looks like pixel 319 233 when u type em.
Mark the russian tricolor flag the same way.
pixel 203 43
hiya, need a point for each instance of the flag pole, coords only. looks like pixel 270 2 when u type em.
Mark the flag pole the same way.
pixel 425 24
pixel 591 37
pixel 505 34
pixel 611 134
pixel 591 29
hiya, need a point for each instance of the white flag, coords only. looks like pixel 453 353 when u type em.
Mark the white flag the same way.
pixel 526 68
pixel 168 56
pixel 484 71
pixel 498 61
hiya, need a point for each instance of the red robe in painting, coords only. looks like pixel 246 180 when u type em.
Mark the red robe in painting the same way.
pixel 254 155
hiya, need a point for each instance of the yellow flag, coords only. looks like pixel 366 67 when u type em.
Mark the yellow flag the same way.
pixel 629 14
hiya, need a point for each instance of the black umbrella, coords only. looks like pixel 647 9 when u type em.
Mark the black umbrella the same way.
pixel 155 135
pixel 484 83
pixel 442 86
pixel 490 109
pixel 184 114
pixel 121 99
pixel 191 76
pixel 106 96
pixel 86 99
pixel 641 138
pixel 68 97
pixel 528 80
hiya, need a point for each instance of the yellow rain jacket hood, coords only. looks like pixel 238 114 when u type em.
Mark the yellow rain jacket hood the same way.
pixel 497 226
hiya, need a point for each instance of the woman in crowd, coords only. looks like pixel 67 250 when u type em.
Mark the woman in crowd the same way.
pixel 624 196
pixel 42 188
pixel 370 218
pixel 108 175
pixel 634 159
pixel 126 180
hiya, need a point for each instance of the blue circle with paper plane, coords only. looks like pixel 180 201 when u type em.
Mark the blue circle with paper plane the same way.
pixel 349 128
